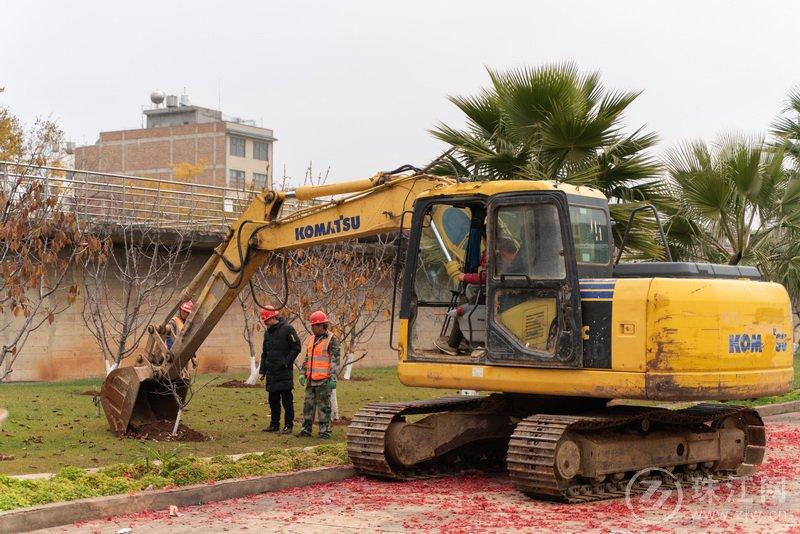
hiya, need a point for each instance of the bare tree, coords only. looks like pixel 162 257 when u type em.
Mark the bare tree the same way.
pixel 139 279
pixel 250 326
pixel 41 240
pixel 312 177
pixel 350 281
pixel 182 390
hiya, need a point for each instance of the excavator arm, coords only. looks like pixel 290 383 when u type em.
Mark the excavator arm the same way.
pixel 147 390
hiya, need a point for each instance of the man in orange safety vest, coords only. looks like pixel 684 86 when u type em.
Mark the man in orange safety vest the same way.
pixel 175 324
pixel 318 375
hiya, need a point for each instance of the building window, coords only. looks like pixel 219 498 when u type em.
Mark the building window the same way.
pixel 259 180
pixel 236 178
pixel 237 147
pixel 260 150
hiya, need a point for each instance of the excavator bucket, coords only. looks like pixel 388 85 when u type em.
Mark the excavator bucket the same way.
pixel 130 395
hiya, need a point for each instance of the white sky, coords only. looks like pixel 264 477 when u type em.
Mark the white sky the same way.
pixel 355 85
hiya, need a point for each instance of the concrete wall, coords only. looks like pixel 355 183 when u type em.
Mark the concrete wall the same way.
pixel 66 349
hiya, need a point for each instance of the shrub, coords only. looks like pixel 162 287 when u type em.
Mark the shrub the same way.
pixel 71 473
pixel 191 473
pixel 74 483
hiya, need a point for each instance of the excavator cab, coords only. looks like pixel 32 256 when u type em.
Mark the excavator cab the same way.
pixel 525 308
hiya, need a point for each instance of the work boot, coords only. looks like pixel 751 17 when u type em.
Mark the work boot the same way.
pixel 324 435
pixel 305 433
pixel 441 344
pixel 287 429
pixel 273 427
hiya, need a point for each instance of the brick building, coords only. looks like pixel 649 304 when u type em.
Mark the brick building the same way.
pixel 232 152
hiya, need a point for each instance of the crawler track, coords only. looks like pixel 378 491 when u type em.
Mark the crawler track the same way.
pixel 532 449
pixel 530 456
pixel 366 440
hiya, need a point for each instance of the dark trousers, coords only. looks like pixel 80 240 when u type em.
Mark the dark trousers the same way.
pixel 276 398
pixel 456 336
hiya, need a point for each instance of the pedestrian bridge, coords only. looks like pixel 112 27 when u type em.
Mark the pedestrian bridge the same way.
pixel 126 201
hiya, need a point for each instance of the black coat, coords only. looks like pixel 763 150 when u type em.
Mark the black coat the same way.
pixel 281 347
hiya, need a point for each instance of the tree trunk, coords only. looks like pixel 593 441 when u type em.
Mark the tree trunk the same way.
pixel 253 378
pixel 334 406
pixel 110 366
pixel 5 369
pixel 177 421
pixel 348 366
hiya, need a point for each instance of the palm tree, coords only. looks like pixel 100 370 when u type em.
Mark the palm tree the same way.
pixel 786 128
pixel 781 258
pixel 555 123
pixel 736 200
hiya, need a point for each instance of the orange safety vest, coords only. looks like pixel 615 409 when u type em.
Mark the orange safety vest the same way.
pixel 318 361
pixel 177 323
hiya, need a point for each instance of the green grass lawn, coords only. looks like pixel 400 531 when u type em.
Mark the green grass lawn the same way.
pixel 51 425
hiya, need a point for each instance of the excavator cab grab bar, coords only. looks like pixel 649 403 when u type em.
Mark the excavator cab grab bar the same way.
pixel 661 233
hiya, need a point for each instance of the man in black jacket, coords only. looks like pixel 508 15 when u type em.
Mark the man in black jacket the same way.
pixel 281 347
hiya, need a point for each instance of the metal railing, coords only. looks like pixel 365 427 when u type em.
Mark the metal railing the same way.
pixel 124 200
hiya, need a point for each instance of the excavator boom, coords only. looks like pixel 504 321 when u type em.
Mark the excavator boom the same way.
pixel 372 206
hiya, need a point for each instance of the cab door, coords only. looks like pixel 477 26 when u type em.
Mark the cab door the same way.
pixel 533 292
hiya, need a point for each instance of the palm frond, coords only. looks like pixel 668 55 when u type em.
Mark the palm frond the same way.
pixel 556 122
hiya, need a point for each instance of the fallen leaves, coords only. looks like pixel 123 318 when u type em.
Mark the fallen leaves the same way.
pixel 462 504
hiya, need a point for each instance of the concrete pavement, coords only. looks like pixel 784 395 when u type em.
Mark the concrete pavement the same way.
pixel 770 501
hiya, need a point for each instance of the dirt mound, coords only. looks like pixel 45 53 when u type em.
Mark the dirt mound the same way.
pixel 360 379
pixel 162 431
pixel 343 421
pixel 239 384
pixel 90 392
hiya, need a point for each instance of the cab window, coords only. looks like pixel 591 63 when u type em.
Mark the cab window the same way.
pixel 590 234
pixel 528 242
pixel 445 231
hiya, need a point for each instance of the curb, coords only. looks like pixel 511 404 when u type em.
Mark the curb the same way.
pixel 778 409
pixel 63 513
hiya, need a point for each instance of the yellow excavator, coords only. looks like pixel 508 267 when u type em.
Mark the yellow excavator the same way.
pixel 552 326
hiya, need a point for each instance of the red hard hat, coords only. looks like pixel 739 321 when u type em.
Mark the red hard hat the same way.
pixel 267 313
pixel 187 306
pixel 318 317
